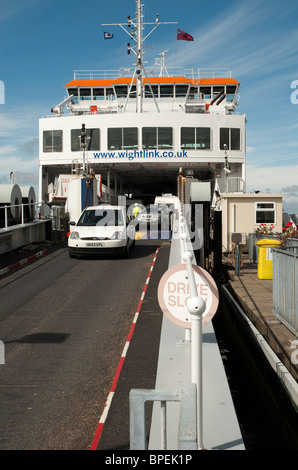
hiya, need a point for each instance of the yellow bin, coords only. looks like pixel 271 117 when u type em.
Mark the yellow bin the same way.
pixel 265 257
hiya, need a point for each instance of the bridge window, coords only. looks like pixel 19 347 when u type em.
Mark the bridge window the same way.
pixel 85 93
pixel 98 93
pixel 75 92
pixel 230 92
pixel 157 138
pixel 217 90
pixel 206 91
pixel 181 90
pixel 148 93
pixel 265 212
pixel 229 137
pixel 133 92
pixel 121 91
pixel 52 141
pixel 193 93
pixel 110 95
pixel 195 138
pixel 166 91
pixel 92 142
pixel 123 138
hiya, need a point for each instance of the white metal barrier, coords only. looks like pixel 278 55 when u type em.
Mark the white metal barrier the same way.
pixel 196 307
pixel 33 205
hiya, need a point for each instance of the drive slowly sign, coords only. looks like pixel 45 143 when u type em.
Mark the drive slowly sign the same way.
pixel 173 293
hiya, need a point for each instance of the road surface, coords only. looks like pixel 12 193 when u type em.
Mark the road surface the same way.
pixel 64 323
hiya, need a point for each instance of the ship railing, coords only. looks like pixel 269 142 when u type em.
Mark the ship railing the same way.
pixel 153 72
pixel 18 213
pixel 235 184
pixel 216 72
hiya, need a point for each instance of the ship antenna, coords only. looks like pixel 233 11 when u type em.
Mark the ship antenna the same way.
pixel 138 23
pixel 161 61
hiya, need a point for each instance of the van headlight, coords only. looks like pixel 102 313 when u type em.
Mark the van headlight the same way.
pixel 74 235
pixel 116 236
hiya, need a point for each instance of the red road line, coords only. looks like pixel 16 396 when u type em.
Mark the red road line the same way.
pixel 104 414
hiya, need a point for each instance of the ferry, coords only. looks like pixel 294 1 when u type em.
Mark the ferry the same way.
pixel 135 131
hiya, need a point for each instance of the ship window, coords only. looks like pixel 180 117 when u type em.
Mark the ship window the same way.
pixel 115 139
pixel 166 91
pixel 188 140
pixel 149 138
pixel 229 138
pixel 133 92
pixel 265 212
pixel 157 138
pixel 148 93
pixel 123 138
pixel 52 141
pixel 93 142
pixel 231 89
pixel 98 93
pixel 193 93
pixel 181 90
pixel 85 93
pixel 217 90
pixel 75 92
pixel 203 138
pixel 110 93
pixel 193 138
pixel 121 91
pixel 206 90
pixel 230 92
pixel 165 137
pixel 130 138
pixel 235 139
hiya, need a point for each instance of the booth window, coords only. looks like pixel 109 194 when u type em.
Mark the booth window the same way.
pixel 265 212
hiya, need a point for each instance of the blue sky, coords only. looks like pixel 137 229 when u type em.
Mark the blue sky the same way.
pixel 41 43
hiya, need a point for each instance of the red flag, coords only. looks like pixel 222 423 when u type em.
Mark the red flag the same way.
pixel 181 35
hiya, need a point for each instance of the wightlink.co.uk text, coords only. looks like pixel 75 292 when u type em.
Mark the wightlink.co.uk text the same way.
pixel 133 154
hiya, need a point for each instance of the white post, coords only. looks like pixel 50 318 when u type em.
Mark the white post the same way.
pixel 2 353
pixel 196 307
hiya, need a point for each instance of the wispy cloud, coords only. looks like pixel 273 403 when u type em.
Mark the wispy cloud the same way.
pixel 9 8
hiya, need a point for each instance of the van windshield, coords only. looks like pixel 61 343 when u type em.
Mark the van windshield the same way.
pixel 101 217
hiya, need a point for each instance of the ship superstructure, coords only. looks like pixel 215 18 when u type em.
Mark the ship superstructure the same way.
pixel 132 130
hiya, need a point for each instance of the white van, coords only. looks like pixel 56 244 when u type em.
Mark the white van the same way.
pixel 101 229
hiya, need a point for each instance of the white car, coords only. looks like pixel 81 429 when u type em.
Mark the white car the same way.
pixel 101 229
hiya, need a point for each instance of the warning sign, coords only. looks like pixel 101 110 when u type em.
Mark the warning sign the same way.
pixel 173 294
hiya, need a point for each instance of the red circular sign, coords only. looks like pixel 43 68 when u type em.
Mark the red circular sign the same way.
pixel 173 293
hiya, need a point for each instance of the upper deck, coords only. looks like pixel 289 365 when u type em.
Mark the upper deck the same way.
pixel 96 92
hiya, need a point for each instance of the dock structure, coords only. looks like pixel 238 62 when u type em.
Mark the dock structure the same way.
pixel 255 298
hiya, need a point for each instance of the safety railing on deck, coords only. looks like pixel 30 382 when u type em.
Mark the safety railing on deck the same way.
pixel 191 410
pixel 187 423
pixel 22 212
pixel 285 286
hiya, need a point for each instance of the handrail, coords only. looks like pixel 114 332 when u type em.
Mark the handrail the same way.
pixel 187 425
pixel 191 415
pixel 35 205
pixel 196 307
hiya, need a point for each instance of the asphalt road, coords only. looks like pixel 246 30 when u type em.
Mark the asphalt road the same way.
pixel 64 323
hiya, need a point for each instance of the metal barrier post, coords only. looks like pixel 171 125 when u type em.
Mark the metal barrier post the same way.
pixel 196 307
pixel 5 217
